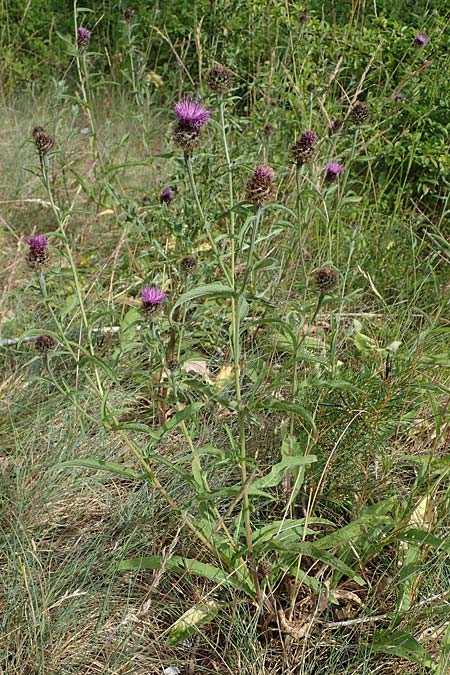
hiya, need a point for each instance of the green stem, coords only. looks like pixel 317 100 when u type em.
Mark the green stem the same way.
pixel 236 342
pixel 298 174
pixel 188 162
pixel 255 228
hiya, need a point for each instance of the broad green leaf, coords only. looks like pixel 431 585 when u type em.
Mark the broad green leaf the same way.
pixel 313 551
pixel 191 621
pixel 278 470
pixel 403 645
pixel 99 465
pixel 128 328
pixel 182 566
pixel 353 530
pixel 282 529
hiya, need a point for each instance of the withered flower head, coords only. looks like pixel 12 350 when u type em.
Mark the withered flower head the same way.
pixel 261 188
pixel 42 140
pixel 359 112
pixel 304 149
pixel 326 279
pixel 220 79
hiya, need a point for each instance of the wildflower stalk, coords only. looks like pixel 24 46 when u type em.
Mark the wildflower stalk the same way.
pixel 188 164
pixel 255 227
pixel 236 339
pixel 298 175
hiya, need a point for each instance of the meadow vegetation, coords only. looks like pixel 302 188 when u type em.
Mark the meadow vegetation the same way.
pixel 224 338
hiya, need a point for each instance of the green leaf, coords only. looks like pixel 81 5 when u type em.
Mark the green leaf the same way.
pixel 403 645
pixel 99 465
pixel 200 614
pixel 353 530
pixel 128 328
pixel 181 566
pixel 314 551
pixel 287 406
pixel 180 416
pixel 290 528
pixel 215 290
pixel 278 470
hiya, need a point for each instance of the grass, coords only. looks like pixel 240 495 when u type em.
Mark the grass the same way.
pixel 327 421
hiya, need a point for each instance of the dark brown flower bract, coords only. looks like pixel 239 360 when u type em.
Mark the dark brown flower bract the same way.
pixel 220 79
pixel 261 188
pixel 187 139
pixel 359 112
pixel 42 140
pixel 44 343
pixel 188 264
pixel 326 279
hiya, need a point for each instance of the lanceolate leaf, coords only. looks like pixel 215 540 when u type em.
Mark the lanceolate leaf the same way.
pixel 403 645
pixel 182 566
pixel 192 620
pixel 99 465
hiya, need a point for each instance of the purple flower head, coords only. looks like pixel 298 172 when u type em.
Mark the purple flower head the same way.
pixel 83 36
pixel 167 196
pixel 333 170
pixel 264 172
pixel 421 40
pixel 37 242
pixel 308 138
pixel 191 114
pixel 152 297
pixel 400 96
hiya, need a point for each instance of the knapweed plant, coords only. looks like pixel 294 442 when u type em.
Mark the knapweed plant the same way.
pixel 243 305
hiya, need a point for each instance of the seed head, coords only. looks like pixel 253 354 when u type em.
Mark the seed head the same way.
pixel 333 169
pixel 42 140
pixel 304 149
pixel 220 79
pixel 152 297
pixel 188 264
pixel 44 343
pixel 359 112
pixel 146 200
pixel 191 114
pixel 421 40
pixel 128 14
pixel 326 279
pixel 83 37
pixel 268 130
pixel 261 188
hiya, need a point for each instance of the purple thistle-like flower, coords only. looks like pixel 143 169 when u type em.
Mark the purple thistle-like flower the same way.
pixel 191 114
pixel 400 96
pixel 167 196
pixel 421 40
pixel 264 172
pixel 83 36
pixel 152 297
pixel 38 254
pixel 261 188
pixel 37 242
pixel 304 149
pixel 333 169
